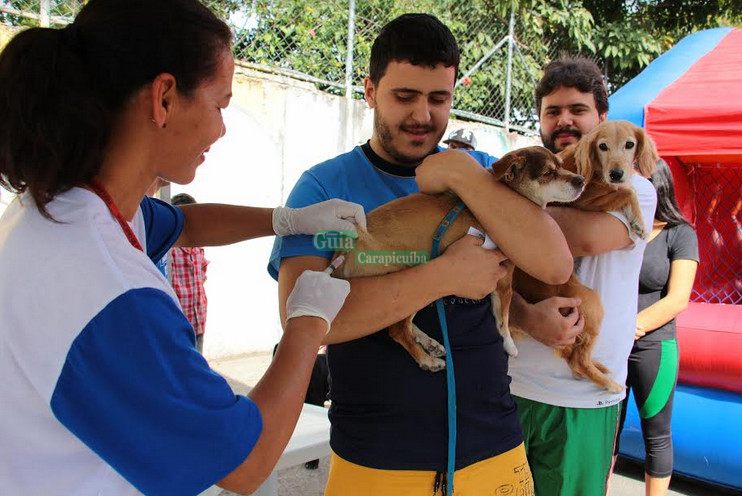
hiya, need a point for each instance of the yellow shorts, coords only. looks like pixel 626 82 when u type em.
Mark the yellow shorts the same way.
pixel 507 474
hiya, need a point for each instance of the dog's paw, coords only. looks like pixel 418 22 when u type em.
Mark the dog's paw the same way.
pixel 509 345
pixel 639 230
pixel 430 345
pixel 615 387
pixel 636 225
pixel 432 364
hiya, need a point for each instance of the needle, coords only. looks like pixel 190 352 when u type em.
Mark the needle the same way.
pixel 335 264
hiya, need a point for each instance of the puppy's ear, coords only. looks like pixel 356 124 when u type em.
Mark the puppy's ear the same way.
pixel 585 155
pixel 567 160
pixel 646 153
pixel 505 168
pixel 512 171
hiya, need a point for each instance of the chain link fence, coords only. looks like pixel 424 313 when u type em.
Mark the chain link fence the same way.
pixel 309 40
pixel 39 12
pixel 497 74
pixel 718 221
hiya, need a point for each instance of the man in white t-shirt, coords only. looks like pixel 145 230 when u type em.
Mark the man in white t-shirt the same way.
pixel 569 423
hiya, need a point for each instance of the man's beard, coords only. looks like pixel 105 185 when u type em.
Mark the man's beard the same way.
pixel 549 140
pixel 386 140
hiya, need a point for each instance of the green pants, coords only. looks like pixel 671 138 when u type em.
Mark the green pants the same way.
pixel 570 450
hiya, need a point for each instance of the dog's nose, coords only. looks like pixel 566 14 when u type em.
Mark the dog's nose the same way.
pixel 577 181
pixel 616 175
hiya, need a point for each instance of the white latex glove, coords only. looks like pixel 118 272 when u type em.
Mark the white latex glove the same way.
pixel 329 215
pixel 317 294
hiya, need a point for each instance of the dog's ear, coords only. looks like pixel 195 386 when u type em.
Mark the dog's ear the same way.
pixel 585 155
pixel 512 171
pixel 505 168
pixel 646 153
pixel 567 159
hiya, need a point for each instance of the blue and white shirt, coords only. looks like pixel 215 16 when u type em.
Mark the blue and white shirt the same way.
pixel 102 391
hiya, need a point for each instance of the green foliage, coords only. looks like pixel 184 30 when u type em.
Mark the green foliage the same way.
pixel 311 37
pixel 630 34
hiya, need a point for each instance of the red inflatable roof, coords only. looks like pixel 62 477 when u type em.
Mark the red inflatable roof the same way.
pixel 690 99
pixel 700 114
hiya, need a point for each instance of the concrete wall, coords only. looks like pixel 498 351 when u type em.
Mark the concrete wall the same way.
pixel 6 33
pixel 276 129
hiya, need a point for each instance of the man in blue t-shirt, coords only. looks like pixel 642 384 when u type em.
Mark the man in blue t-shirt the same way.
pixel 387 414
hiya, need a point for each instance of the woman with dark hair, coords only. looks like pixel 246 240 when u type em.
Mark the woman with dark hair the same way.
pixel 103 391
pixel 665 284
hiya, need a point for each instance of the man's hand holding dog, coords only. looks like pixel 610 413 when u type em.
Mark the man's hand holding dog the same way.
pixel 440 172
pixel 554 321
pixel 640 332
pixel 470 270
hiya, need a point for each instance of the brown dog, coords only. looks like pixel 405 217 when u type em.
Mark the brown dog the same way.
pixel 605 157
pixel 408 224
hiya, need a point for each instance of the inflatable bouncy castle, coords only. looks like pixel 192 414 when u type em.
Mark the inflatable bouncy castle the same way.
pixel 690 101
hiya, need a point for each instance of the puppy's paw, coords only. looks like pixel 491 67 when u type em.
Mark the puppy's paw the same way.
pixel 431 364
pixel 639 230
pixel 614 387
pixel 509 345
pixel 636 225
pixel 430 345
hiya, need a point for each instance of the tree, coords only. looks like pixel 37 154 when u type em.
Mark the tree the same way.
pixel 622 35
pixel 310 37
pixel 631 34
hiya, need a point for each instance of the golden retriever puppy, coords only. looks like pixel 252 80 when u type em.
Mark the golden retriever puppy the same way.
pixel 606 158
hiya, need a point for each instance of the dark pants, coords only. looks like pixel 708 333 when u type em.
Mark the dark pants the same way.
pixel 653 374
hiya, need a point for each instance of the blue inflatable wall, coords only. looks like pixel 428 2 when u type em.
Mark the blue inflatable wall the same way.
pixel 707 435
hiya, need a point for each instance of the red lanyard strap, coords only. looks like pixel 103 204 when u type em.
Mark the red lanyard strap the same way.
pixel 99 190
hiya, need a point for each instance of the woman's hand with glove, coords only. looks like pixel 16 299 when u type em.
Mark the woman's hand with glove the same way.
pixel 329 215
pixel 317 294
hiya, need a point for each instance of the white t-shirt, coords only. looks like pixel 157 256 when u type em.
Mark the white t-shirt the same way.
pixel 101 389
pixel 539 375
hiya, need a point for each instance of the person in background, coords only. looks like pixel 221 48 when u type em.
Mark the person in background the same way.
pixel 665 283
pixel 461 139
pixel 570 424
pixel 188 270
pixel 103 391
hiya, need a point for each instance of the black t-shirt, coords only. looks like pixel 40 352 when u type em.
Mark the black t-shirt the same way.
pixel 672 243
pixel 387 413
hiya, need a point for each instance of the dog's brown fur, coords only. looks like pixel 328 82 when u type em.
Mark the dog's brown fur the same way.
pixel 408 224
pixel 624 146
pixel 595 156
